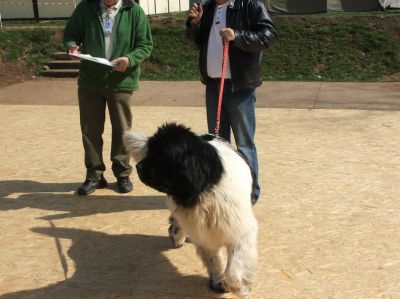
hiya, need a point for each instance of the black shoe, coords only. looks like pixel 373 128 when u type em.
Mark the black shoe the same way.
pixel 124 184
pixel 89 186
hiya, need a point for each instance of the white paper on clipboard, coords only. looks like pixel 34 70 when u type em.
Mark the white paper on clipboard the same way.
pixel 94 59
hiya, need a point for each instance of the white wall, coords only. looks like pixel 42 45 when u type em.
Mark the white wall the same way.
pixel 164 6
pixel 60 8
pixel 23 9
pixel 64 8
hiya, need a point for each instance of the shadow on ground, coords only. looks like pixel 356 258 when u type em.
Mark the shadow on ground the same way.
pixel 105 266
pixel 52 197
pixel 115 266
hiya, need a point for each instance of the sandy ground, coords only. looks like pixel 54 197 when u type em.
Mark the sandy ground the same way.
pixel 328 215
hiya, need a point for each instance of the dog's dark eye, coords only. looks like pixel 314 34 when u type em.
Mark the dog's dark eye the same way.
pixel 166 186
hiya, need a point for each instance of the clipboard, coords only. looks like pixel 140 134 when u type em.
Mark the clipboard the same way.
pixel 93 59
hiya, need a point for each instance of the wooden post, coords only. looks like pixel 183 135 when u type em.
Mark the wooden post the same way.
pixel 35 10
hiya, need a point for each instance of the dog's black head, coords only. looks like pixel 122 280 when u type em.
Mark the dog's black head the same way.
pixel 180 163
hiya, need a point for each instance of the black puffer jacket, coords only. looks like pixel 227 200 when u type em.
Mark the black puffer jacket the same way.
pixel 254 32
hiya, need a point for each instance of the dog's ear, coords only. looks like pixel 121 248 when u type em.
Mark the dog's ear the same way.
pixel 136 143
pixel 202 169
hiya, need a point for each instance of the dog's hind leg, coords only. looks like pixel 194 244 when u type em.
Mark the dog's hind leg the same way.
pixel 213 261
pixel 241 266
pixel 176 233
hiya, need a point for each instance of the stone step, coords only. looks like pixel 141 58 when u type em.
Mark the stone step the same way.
pixel 61 56
pixel 60 73
pixel 63 64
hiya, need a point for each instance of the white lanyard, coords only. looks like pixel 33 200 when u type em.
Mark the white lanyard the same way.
pixel 108 20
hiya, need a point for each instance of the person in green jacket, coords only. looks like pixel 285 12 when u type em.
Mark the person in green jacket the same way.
pixel 119 31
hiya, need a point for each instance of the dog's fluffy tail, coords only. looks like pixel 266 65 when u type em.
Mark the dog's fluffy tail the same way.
pixel 136 143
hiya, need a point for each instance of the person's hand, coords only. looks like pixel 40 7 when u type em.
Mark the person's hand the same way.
pixel 196 12
pixel 73 50
pixel 122 64
pixel 227 34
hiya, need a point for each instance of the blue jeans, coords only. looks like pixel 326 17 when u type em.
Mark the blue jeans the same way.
pixel 238 114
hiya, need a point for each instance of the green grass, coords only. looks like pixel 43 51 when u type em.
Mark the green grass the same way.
pixel 338 52
pixel 335 52
pixel 389 12
pixel 41 24
pixel 310 48
pixel 33 46
pixel 172 58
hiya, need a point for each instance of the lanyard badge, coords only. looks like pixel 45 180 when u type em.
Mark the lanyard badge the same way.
pixel 108 25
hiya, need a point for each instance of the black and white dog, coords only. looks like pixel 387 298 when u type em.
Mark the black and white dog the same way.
pixel 208 187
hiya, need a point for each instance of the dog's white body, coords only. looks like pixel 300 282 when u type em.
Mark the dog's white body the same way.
pixel 222 218
pixel 225 221
pixel 220 221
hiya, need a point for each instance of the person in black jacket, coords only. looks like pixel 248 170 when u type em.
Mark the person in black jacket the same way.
pixel 249 29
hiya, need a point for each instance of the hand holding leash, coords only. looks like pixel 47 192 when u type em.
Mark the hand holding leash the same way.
pixel 227 34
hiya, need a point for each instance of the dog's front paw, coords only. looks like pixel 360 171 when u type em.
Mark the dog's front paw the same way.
pixel 218 286
pixel 239 288
pixel 176 234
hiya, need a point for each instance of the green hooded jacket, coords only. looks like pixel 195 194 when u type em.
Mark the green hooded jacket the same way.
pixel 133 40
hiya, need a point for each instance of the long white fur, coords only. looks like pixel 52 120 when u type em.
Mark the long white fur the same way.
pixel 223 219
pixel 136 143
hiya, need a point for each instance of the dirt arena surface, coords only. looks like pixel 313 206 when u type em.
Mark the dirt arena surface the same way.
pixel 328 213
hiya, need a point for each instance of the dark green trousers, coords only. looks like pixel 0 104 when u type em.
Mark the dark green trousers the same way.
pixel 92 109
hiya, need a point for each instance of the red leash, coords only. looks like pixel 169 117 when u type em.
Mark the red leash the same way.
pixel 221 86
